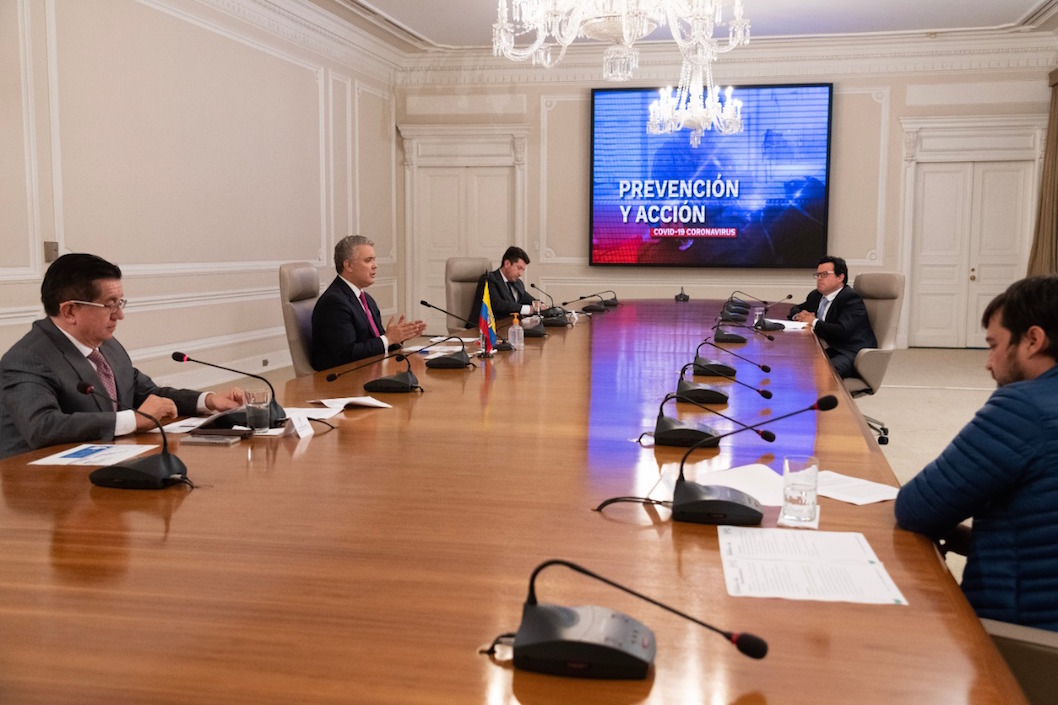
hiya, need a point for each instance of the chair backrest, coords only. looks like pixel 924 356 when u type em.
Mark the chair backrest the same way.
pixel 883 295
pixel 461 281
pixel 1032 655
pixel 299 287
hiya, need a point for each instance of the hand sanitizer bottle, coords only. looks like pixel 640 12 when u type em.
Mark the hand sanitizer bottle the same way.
pixel 516 335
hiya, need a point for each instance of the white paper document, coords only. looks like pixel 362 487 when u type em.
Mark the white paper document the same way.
pixel 828 566
pixel 314 413
pixel 184 425
pixel 351 402
pixel 788 325
pixel 853 490
pixel 94 454
pixel 757 480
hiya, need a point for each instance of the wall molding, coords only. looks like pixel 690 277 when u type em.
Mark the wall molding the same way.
pixel 765 58
pixel 547 104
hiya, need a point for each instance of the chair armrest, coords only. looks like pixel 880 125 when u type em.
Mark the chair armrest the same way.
pixel 871 364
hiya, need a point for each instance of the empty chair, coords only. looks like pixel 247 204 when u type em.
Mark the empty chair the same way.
pixel 883 294
pixel 461 281
pixel 1032 655
pixel 299 287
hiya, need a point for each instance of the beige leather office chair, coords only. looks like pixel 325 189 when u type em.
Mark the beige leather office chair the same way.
pixel 461 281
pixel 299 287
pixel 883 294
pixel 1032 655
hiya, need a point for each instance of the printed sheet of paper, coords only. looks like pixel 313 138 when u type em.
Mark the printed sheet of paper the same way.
pixel 827 566
pixel 94 454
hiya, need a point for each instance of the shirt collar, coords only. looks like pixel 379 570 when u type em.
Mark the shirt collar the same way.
pixel 356 290
pixel 81 347
pixel 833 295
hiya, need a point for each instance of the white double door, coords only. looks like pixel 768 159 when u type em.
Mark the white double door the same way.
pixel 972 229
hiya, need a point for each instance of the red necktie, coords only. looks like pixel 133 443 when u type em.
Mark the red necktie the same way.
pixel 106 375
pixel 367 310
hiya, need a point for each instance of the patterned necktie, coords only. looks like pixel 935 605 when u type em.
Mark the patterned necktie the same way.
pixel 370 318
pixel 106 375
pixel 822 311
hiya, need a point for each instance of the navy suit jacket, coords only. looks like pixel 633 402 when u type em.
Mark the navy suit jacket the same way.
pixel 846 328
pixel 39 402
pixel 341 332
pixel 503 302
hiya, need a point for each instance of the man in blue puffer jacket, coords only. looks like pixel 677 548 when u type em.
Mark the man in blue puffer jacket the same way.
pixel 1002 468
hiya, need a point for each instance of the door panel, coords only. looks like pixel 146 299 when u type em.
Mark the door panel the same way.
pixel 999 233
pixel 942 192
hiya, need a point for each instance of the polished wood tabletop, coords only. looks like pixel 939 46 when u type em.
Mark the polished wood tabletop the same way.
pixel 370 563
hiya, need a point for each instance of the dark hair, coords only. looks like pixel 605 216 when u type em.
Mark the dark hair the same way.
pixel 346 247
pixel 1028 302
pixel 74 276
pixel 513 254
pixel 840 268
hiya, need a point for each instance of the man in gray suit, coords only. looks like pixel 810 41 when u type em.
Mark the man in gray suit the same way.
pixel 40 404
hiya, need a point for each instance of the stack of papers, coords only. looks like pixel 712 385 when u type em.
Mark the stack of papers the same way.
pixel 829 566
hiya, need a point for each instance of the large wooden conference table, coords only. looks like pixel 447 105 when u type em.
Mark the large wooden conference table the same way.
pixel 369 564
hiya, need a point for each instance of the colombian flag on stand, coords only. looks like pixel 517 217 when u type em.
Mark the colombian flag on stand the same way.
pixel 486 323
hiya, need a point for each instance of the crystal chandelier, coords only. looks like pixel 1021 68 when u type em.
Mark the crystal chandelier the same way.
pixel 622 23
pixel 695 106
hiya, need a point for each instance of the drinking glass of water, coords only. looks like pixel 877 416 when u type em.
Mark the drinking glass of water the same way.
pixel 800 480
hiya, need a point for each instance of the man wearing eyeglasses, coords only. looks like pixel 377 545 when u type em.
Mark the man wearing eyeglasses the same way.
pixel 40 404
pixel 835 313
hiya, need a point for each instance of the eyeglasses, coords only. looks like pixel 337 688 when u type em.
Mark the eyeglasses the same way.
pixel 820 275
pixel 112 306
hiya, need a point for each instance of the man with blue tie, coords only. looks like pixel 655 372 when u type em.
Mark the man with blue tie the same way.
pixel 835 313
pixel 346 322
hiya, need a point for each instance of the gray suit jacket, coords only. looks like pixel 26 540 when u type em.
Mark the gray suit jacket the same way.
pixel 39 402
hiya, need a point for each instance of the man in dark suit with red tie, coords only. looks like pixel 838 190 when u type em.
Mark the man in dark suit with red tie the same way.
pixel 346 322
pixel 835 312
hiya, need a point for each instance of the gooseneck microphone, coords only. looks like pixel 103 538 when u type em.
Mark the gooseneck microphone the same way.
pixel 502 346
pixel 766 435
pixel 766 393
pixel 609 303
pixel 276 416
pixel 335 375
pixel 701 393
pixel 151 472
pixel 589 308
pixel 452 361
pixel 763 368
pixel 763 324
pixel 402 382
pixel 670 431
pixel 566 641
pixel 552 312
pixel 721 336
pixel 824 403
pixel 714 504
pixel 465 321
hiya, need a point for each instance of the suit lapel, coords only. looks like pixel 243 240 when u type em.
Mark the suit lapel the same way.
pixel 80 367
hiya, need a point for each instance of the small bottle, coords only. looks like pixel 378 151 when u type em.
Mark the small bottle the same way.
pixel 515 335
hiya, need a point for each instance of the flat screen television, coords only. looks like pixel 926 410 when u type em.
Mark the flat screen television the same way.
pixel 753 199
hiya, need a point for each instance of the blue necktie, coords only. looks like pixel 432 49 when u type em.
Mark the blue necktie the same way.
pixel 821 312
